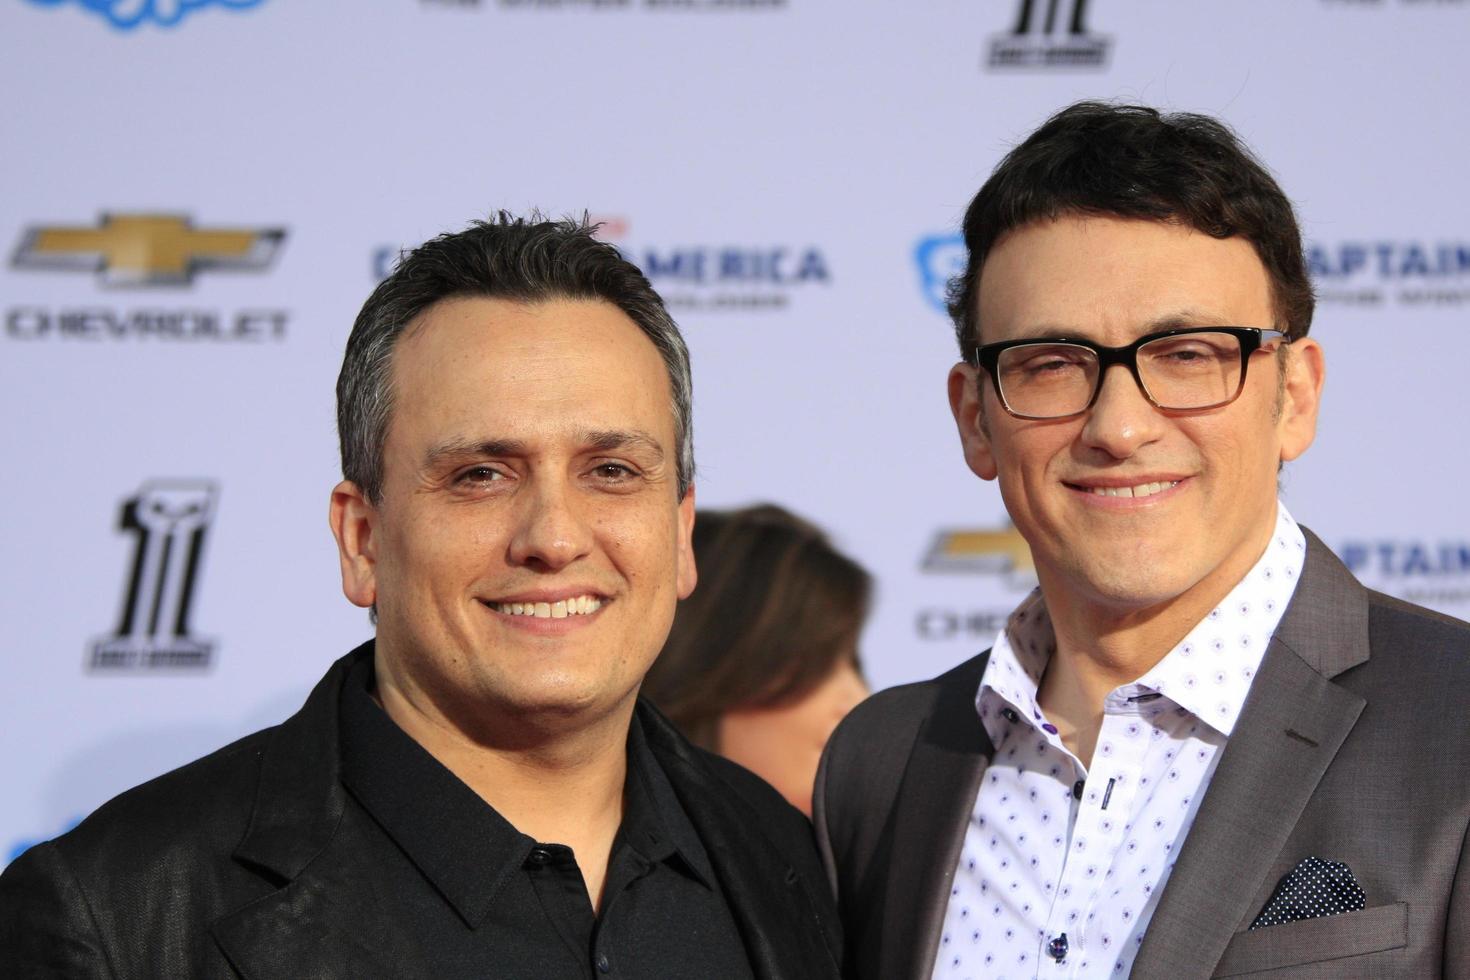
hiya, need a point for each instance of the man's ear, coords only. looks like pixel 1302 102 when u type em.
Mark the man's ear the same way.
pixel 687 574
pixel 353 519
pixel 1301 396
pixel 965 402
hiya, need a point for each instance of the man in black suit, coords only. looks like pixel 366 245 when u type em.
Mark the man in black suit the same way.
pixel 1201 748
pixel 476 792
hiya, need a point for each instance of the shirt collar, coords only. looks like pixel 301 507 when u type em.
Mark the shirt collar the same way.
pixel 460 843
pixel 654 822
pixel 1208 673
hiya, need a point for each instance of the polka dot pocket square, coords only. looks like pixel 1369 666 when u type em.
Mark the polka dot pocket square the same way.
pixel 1313 889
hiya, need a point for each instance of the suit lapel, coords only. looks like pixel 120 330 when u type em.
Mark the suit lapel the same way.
pixel 1288 733
pixel 930 820
pixel 319 926
pixel 324 917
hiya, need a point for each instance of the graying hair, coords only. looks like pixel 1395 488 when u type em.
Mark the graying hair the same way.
pixel 526 260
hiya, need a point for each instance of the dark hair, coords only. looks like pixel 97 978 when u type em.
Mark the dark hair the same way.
pixel 1094 158
pixel 776 610
pixel 522 259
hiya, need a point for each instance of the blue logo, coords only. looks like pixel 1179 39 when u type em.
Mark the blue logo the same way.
pixel 1406 559
pixel 731 265
pixel 1389 261
pixel 125 15
pixel 1431 573
pixel 1374 272
pixel 940 258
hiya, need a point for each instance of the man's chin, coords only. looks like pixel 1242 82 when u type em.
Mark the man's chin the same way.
pixel 561 701
pixel 1127 584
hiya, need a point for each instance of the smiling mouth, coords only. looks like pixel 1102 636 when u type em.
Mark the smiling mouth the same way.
pixel 1140 490
pixel 582 605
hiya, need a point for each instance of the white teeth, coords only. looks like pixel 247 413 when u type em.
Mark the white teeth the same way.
pixel 1142 490
pixel 582 605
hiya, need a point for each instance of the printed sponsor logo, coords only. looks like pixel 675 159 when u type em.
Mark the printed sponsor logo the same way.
pixel 1434 573
pixel 748 278
pixel 164 252
pixel 979 626
pixel 1048 34
pixel 611 5
pixel 1374 273
pixel 125 15
pixel 147 249
pixel 981 551
pixel 742 277
pixel 730 277
pixel 939 259
pixel 168 519
pixel 999 553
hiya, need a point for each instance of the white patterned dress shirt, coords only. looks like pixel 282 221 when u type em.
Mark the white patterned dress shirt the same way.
pixel 1054 850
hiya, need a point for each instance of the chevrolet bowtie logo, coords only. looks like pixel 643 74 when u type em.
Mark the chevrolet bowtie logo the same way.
pixel 980 551
pixel 147 249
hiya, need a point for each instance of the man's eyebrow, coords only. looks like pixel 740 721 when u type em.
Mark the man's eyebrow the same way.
pixel 606 440
pixel 1173 320
pixel 458 449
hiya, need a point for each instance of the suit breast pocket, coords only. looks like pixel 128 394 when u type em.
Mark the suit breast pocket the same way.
pixel 1317 941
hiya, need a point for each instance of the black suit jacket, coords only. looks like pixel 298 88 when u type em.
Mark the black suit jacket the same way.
pixel 1353 746
pixel 244 864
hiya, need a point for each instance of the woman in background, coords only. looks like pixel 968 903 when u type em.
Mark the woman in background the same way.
pixel 762 663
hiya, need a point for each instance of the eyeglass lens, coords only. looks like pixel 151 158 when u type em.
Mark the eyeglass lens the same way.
pixel 1193 371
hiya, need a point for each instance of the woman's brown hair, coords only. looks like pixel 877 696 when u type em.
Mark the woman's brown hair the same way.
pixel 777 608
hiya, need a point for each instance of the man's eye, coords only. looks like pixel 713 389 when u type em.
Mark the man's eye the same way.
pixel 613 472
pixel 479 474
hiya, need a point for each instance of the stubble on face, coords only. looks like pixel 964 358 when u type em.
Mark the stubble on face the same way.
pixel 1111 281
pixel 530 462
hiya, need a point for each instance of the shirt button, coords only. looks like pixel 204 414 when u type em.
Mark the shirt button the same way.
pixel 1009 714
pixel 603 966
pixel 1077 788
pixel 539 856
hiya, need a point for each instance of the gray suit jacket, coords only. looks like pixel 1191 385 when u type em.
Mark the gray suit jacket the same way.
pixel 1353 746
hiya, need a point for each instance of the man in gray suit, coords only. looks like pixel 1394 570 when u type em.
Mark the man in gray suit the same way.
pixel 1200 748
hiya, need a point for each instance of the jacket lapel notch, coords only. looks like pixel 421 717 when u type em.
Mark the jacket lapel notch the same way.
pixel 295 932
pixel 300 799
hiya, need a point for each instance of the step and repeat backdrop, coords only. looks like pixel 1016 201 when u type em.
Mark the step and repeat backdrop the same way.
pixel 199 194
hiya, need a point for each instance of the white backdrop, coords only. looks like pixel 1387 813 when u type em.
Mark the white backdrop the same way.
pixel 790 173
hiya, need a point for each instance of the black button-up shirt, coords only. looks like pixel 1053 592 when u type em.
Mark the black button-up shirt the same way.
pixel 485 900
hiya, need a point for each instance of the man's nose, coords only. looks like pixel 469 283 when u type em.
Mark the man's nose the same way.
pixel 551 529
pixel 1122 419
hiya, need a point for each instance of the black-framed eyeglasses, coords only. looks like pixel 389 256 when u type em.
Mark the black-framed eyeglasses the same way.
pixel 1183 370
